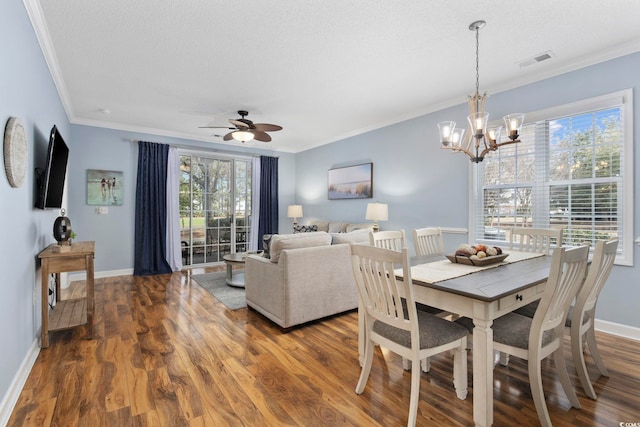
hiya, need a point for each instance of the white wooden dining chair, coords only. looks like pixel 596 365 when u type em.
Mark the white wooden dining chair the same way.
pixel 401 328
pixel 395 240
pixel 536 338
pixel 581 318
pixel 388 239
pixel 428 241
pixel 540 240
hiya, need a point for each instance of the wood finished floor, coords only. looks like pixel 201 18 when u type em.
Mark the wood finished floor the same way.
pixel 167 353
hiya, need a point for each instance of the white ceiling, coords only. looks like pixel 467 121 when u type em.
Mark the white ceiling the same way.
pixel 322 69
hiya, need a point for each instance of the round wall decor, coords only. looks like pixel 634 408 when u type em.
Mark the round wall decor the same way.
pixel 15 152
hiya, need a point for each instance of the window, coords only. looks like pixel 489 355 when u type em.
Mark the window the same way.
pixel 215 206
pixel 572 169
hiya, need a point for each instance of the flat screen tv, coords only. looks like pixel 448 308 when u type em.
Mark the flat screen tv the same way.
pixel 50 180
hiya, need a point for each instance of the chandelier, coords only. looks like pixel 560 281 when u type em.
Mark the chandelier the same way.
pixel 478 140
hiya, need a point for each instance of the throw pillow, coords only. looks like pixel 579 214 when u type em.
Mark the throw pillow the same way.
pixel 305 228
pixel 266 243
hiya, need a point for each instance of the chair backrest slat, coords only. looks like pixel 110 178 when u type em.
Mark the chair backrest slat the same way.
pixel 567 273
pixel 428 241
pixel 380 292
pixel 604 256
pixel 535 239
pixel 389 239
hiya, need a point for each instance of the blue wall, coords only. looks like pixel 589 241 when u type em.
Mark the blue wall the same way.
pixel 427 186
pixel 422 184
pixel 27 92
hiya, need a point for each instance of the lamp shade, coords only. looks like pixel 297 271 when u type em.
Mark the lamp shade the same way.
pixel 377 211
pixel 294 211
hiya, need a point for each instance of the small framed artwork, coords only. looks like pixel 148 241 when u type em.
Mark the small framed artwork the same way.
pixel 104 188
pixel 351 182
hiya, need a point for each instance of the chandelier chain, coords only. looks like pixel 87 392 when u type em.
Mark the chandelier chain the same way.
pixel 477 60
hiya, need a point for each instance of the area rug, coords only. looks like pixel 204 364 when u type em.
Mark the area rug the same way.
pixel 233 298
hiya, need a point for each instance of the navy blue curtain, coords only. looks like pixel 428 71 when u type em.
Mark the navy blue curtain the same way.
pixel 151 214
pixel 268 221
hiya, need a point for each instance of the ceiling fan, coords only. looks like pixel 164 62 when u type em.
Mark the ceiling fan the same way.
pixel 245 130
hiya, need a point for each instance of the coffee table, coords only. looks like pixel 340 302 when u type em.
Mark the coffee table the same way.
pixel 236 280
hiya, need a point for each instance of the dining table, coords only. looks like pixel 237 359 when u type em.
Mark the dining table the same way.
pixel 482 293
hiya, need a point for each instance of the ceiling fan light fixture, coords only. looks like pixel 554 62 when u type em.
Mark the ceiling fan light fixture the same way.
pixel 242 135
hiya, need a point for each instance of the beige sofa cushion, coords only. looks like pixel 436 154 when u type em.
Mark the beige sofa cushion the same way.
pixel 356 236
pixel 337 227
pixel 361 226
pixel 280 242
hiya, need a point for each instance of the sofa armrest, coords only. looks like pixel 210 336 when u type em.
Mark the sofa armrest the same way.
pixel 264 286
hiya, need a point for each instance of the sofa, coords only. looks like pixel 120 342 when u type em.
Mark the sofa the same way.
pixel 306 277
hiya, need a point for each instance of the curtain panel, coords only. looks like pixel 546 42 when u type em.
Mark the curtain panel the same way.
pixel 174 244
pixel 268 222
pixel 151 215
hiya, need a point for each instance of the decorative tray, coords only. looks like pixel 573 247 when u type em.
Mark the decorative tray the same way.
pixel 477 262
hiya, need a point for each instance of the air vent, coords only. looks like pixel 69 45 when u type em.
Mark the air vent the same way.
pixel 538 58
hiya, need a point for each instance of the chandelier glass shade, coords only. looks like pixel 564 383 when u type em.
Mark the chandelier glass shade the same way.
pixel 479 138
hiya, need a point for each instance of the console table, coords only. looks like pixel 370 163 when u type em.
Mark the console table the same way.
pixel 71 312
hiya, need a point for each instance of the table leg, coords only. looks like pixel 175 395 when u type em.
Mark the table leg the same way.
pixel 44 332
pixel 482 373
pixel 90 292
pixel 229 272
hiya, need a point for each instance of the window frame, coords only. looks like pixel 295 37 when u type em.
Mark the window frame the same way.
pixel 624 98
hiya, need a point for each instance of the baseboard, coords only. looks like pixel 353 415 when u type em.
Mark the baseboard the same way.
pixel 9 400
pixel 617 329
pixel 81 275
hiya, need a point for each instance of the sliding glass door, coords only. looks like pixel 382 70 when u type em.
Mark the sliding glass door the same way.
pixel 215 207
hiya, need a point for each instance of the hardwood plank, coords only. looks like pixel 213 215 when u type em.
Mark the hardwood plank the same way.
pixel 67 411
pixel 117 396
pixel 137 379
pixel 35 415
pixel 164 393
pixel 166 353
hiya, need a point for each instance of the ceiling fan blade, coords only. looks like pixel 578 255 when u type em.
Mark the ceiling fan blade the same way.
pixel 261 136
pixel 214 127
pixel 228 137
pixel 241 123
pixel 266 127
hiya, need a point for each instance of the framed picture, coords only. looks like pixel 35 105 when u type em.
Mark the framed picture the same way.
pixel 351 182
pixel 104 188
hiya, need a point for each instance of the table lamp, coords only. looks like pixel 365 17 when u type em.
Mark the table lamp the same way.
pixel 295 212
pixel 377 212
